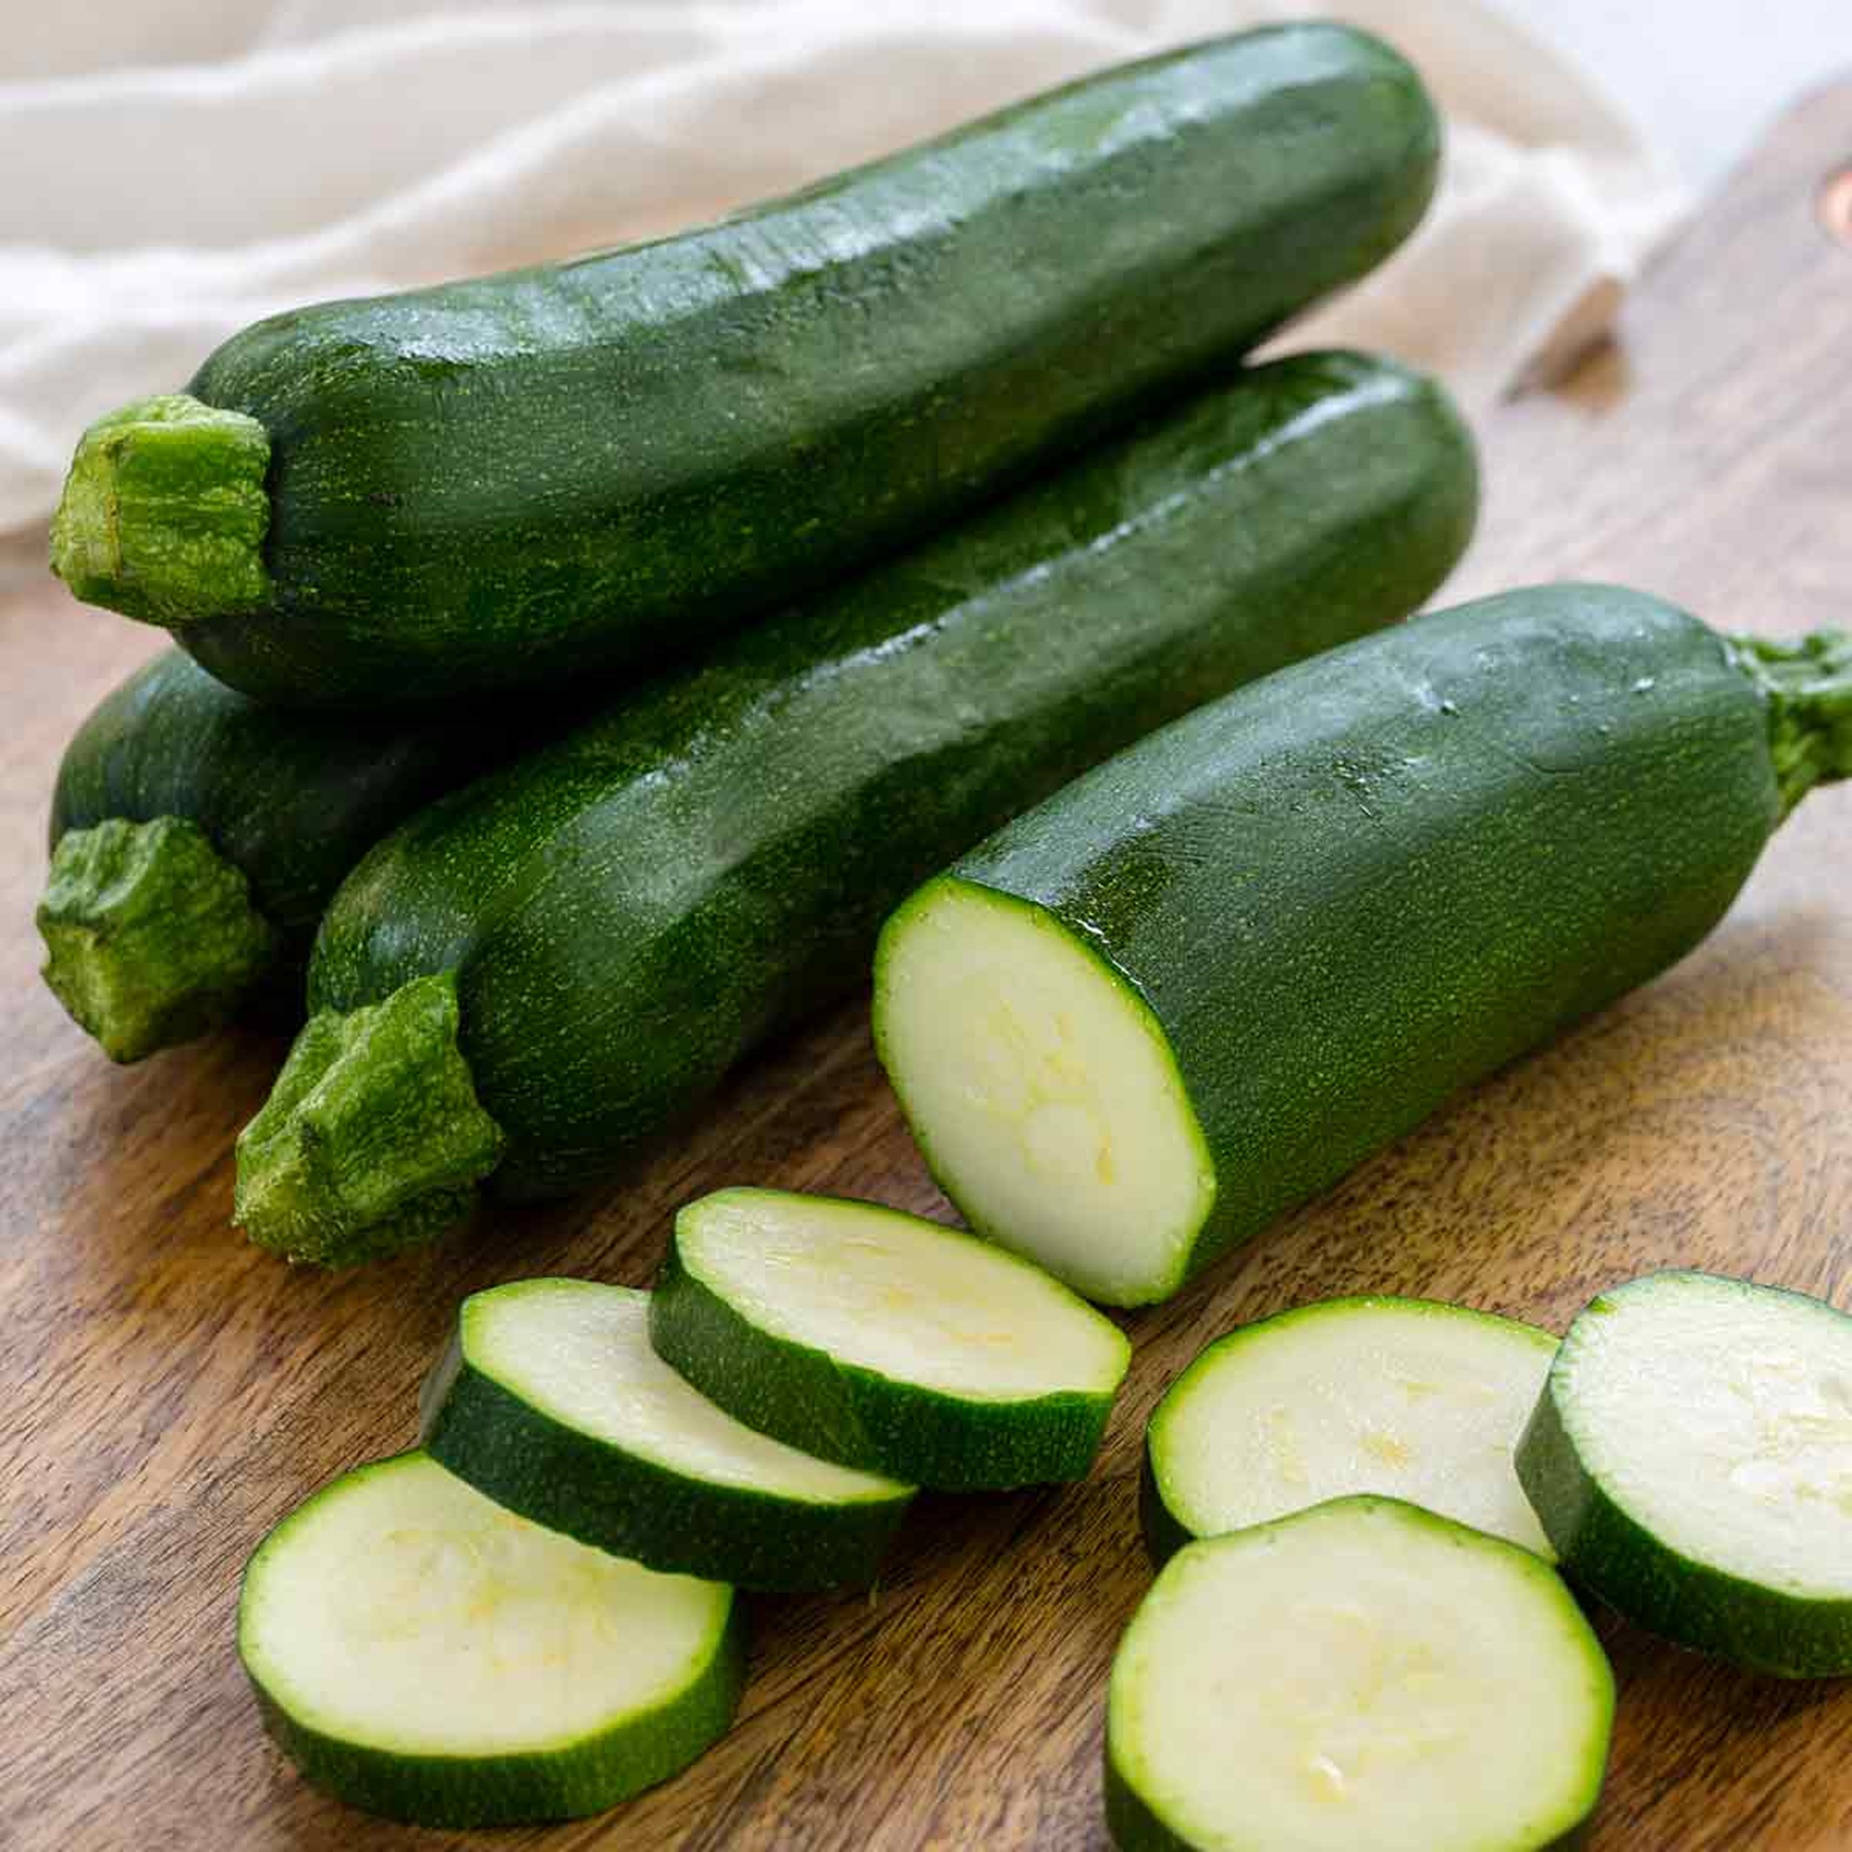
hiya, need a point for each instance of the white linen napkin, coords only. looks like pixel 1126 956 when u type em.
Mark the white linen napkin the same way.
pixel 177 171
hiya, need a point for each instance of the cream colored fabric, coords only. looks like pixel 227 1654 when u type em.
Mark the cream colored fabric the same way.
pixel 177 170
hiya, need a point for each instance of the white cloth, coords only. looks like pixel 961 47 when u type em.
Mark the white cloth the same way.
pixel 177 170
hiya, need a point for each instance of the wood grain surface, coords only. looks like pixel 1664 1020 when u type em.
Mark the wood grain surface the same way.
pixel 166 1392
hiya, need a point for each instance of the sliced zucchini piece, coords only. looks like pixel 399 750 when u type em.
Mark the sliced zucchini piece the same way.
pixel 1691 1460
pixel 1403 1397
pixel 424 1654
pixel 551 1401
pixel 1361 1674
pixel 1042 1089
pixel 886 1341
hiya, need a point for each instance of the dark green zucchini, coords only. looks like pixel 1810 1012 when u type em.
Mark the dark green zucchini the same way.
pixel 1201 983
pixel 514 478
pixel 196 838
pixel 616 919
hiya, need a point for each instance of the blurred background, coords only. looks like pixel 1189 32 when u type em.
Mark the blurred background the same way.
pixel 1700 77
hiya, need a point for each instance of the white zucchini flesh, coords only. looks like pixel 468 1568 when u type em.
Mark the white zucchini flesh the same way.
pixel 893 1293
pixel 398 1616
pixel 580 1352
pixel 1715 1417
pixel 1043 1091
pixel 1718 1416
pixel 1406 1398
pixel 1361 1674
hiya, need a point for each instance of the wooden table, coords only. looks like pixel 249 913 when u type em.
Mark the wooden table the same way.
pixel 168 1392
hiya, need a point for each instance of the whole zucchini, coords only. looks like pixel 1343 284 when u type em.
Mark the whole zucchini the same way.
pixel 539 971
pixel 196 838
pixel 1199 984
pixel 510 479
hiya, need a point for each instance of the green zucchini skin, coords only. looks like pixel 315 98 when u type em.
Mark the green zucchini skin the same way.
pixel 1354 889
pixel 512 479
pixel 631 909
pixel 290 800
pixel 1607 1552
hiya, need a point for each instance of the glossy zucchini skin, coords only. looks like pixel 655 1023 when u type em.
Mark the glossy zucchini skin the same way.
pixel 291 800
pixel 630 910
pixel 1354 889
pixel 516 478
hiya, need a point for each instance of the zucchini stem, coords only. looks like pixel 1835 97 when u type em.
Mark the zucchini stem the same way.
pixel 151 937
pixel 164 512
pixel 1808 687
pixel 372 1140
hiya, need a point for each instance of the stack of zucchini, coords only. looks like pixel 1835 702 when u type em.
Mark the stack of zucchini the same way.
pixel 579 666
pixel 781 560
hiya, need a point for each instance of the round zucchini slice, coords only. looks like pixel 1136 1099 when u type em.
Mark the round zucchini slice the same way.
pixel 424 1654
pixel 1691 1460
pixel 1360 1674
pixel 1403 1397
pixel 886 1341
pixel 551 1401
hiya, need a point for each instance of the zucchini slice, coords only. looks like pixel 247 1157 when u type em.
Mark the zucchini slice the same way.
pixel 1360 1674
pixel 886 1341
pixel 1403 1397
pixel 1691 1459
pixel 424 1654
pixel 551 1401
pixel 1200 983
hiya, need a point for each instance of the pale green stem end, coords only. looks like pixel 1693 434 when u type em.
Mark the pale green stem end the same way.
pixel 150 934
pixel 1808 687
pixel 164 512
pixel 372 1140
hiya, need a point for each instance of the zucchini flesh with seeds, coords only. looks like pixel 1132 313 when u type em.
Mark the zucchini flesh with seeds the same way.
pixel 515 478
pixel 1202 982
pixel 423 1654
pixel 624 914
pixel 885 1341
pixel 551 1401
pixel 1360 1674
pixel 1691 1459
pixel 1404 1398
pixel 196 838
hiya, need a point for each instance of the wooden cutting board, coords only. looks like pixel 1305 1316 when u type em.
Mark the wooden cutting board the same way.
pixel 167 1392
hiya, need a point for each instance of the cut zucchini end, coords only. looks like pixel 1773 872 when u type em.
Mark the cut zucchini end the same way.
pixel 372 1139
pixel 551 1400
pixel 1691 1459
pixel 164 512
pixel 879 1338
pixel 1402 1398
pixel 150 935
pixel 1362 1673
pixel 1042 1090
pixel 424 1654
